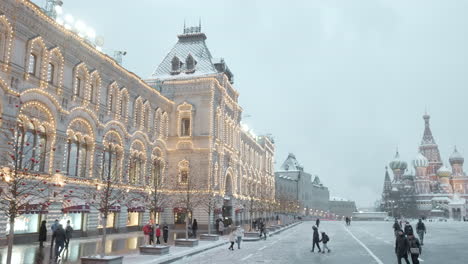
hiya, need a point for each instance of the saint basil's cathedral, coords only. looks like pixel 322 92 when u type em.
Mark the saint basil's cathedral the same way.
pixel 434 190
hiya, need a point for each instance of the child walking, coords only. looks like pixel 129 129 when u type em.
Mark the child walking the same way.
pixel 325 240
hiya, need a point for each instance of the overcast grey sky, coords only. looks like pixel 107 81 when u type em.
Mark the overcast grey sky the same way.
pixel 339 83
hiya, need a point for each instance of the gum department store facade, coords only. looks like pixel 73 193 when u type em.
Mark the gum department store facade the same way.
pixel 73 98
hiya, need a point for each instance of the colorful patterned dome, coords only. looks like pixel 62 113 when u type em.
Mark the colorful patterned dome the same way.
pixel 456 157
pixel 397 163
pixel 420 161
pixel 444 172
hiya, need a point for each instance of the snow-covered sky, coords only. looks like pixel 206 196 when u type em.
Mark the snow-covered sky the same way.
pixel 341 84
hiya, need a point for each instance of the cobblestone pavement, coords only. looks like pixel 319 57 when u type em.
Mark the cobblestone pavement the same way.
pixel 361 243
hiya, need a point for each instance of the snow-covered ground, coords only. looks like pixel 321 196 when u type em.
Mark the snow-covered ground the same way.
pixel 361 243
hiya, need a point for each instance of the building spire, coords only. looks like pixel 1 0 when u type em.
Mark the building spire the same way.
pixel 427 139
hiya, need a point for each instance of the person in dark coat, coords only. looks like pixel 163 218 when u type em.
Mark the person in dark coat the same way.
pixel 194 228
pixel 42 234
pixel 165 233
pixel 68 234
pixel 414 248
pixel 401 247
pixel 317 222
pixel 53 227
pixel 408 228
pixel 217 225
pixel 60 237
pixel 315 240
pixel 396 227
pixel 421 230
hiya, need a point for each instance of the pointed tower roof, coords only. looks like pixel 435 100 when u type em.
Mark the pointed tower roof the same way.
pixel 291 164
pixel 427 139
pixel 190 57
pixel 387 176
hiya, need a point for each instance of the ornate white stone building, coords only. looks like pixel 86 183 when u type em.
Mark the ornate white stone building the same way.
pixel 72 98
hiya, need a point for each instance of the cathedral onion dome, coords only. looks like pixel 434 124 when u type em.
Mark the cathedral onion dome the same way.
pixel 444 172
pixel 397 163
pixel 420 161
pixel 456 157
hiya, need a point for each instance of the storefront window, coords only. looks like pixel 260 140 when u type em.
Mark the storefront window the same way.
pixel 75 220
pixel 26 223
pixel 110 220
pixel 180 218
pixel 133 219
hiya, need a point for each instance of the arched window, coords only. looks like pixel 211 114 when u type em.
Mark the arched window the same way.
pixel 185 127
pixel 50 73
pixel 183 171
pixel 33 143
pixel 110 163
pixel 78 85
pixel 123 105
pixel 73 156
pixel 94 86
pixel 136 169
pixel 32 64
pixel 6 33
pixel 156 172
pixel 190 64
pixel 138 109
pixel 146 117
pixel 175 65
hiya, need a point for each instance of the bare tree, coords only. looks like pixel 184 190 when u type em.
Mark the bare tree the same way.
pixel 190 192
pixel 210 202
pixel 108 193
pixel 25 187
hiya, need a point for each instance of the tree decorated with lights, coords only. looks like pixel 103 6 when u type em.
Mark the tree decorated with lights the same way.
pixel 107 193
pixel 25 187
pixel 190 191
pixel 210 202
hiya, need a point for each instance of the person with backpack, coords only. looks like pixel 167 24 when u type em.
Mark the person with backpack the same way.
pixel 401 247
pixel 68 234
pixel 421 230
pixel 315 240
pixel 414 248
pixel 325 240
pixel 408 228
pixel 317 222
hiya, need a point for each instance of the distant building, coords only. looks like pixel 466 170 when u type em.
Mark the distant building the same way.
pixel 295 185
pixel 342 207
pixel 434 189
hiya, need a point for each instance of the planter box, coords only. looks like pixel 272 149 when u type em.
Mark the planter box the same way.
pixel 182 242
pixel 251 234
pixel 209 237
pixel 103 260
pixel 154 250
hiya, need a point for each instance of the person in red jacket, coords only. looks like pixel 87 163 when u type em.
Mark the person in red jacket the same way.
pixel 147 232
pixel 158 234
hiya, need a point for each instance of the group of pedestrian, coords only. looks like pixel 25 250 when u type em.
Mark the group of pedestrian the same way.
pixel 236 236
pixel 406 243
pixel 60 236
pixel 150 231
pixel 316 239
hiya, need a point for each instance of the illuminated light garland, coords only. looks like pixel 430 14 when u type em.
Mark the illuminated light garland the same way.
pixel 39 12
pixel 8 42
pixel 61 64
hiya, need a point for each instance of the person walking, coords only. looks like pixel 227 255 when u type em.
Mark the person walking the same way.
pixel 408 228
pixel 60 238
pixel 165 233
pixel 414 248
pixel 232 239
pixel 401 247
pixel 317 222
pixel 217 225
pixel 42 234
pixel 151 235
pixel 396 228
pixel 68 234
pixel 53 227
pixel 325 240
pixel 147 232
pixel 421 230
pixel 239 235
pixel 194 228
pixel 158 234
pixel 315 240
pixel 221 228
pixel 262 230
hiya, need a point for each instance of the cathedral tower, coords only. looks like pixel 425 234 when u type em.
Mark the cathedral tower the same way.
pixel 430 149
